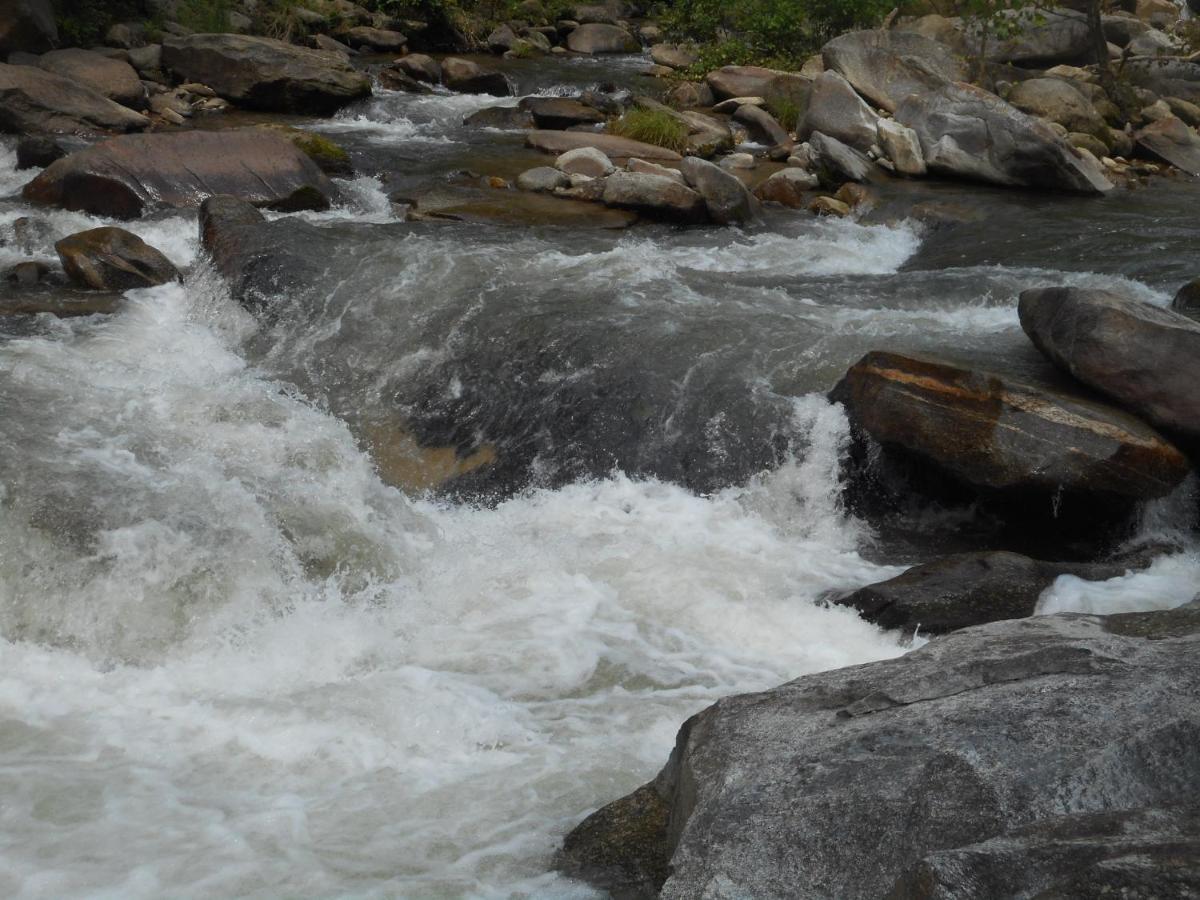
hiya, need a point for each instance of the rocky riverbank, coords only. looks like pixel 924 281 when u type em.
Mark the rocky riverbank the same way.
pixel 911 292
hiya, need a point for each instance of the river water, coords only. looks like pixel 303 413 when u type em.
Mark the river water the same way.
pixel 240 658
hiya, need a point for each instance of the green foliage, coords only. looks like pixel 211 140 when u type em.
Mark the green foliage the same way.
pixel 205 16
pixel 652 126
pixel 786 110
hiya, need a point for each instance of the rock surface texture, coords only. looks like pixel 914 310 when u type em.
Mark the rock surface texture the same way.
pixel 112 259
pixel 1001 742
pixel 33 101
pixel 887 66
pixel 127 176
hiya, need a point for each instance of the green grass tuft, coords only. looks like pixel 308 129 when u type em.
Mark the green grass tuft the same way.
pixel 652 126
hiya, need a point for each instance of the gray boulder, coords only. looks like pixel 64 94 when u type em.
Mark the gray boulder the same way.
pixel 1166 77
pixel 379 40
pixel 543 179
pixel 585 161
pixel 787 188
pixel 741 81
pixel 886 66
pixel 596 38
pixel 762 126
pixel 655 197
pixel 873 781
pixel 835 110
pixel 130 175
pixel 728 201
pixel 112 78
pixel 33 101
pixel 966 132
pixel 27 25
pixel 1173 142
pixel 420 67
pixel 997 433
pixel 1058 101
pixel 1042 38
pixel 471 78
pixel 834 162
pixel 266 74
pixel 674 56
pixel 902 147
pixel 112 259
pixel 1145 357
pixel 561 112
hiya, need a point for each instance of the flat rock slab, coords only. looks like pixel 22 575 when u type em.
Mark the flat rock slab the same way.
pixel 1173 142
pixel 1145 357
pixel 127 176
pixel 612 146
pixel 33 101
pixel 840 784
pixel 265 74
pixel 997 433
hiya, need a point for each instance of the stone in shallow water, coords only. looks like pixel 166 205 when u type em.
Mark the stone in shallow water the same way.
pixel 112 259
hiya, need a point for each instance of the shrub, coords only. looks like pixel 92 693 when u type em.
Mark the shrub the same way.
pixel 652 126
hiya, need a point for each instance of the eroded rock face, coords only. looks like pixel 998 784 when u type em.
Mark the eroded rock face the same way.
pixel 127 176
pixel 1144 357
pixel 966 132
pixel 262 73
pixel 112 259
pixel 1000 434
pixel 842 784
pixel 112 78
pixel 887 66
pixel 33 101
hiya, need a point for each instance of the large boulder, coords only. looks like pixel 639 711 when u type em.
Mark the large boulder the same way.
pixel 1170 140
pixel 966 132
pixel 471 78
pixel 112 78
pixel 561 113
pixel 741 81
pixel 1042 38
pixel 1145 357
pixel 728 201
pixel 787 187
pixel 834 162
pixel 599 38
pixel 968 589
pixel 997 433
pixel 902 146
pixel 835 110
pixel 34 101
pixel 841 784
pixel 1058 101
pixel 762 126
pixel 27 25
pixel 886 66
pixel 266 74
pixel 655 197
pixel 611 145
pixel 420 67
pixel 127 176
pixel 380 40
pixel 112 259
pixel 1166 77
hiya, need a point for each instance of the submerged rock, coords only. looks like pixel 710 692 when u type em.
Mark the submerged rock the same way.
pixel 127 176
pixel 969 589
pixel 968 133
pixel 859 782
pixel 1001 434
pixel 266 74
pixel 112 259
pixel 33 101
pixel 1144 357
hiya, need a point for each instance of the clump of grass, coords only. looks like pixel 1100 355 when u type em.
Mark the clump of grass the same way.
pixel 652 126
pixel 786 110
pixel 204 16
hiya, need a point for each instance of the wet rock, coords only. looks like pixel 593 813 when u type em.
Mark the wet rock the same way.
pixel 993 732
pixel 728 201
pixel 902 146
pixel 761 126
pixel 227 225
pixel 420 67
pixel 27 274
pixel 741 81
pixel 835 110
pixel 829 206
pixel 1140 854
pixel 128 176
pixel 266 74
pixel 833 162
pixel 378 40
pixel 471 78
pixel 1145 357
pixel 395 79
pixel 1059 101
pixel 111 78
pixel 612 146
pixel 38 152
pixel 27 25
pixel 585 161
pixel 112 259
pixel 1173 142
pixel 1187 299
pixel 968 133
pixel 33 101
pixel 506 118
pixel 543 179
pixel 887 66
pixel 1044 39
pixel 1000 434
pixel 787 188
pixel 970 589
pixel 654 197
pixel 561 113
pixel 596 38
pixel 674 56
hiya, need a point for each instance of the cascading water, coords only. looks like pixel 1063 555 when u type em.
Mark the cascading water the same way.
pixel 236 662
